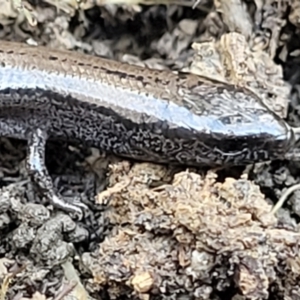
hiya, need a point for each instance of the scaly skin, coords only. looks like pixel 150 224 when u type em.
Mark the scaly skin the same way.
pixel 130 111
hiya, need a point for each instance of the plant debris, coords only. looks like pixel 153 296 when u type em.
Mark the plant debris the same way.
pixel 156 232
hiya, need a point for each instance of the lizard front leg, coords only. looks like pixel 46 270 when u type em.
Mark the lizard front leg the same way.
pixel 35 164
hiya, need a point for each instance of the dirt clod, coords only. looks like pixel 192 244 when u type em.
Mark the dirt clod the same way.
pixel 156 232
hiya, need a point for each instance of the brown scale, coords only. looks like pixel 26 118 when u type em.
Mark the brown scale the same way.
pixel 133 112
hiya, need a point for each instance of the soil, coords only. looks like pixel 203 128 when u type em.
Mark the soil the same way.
pixel 157 232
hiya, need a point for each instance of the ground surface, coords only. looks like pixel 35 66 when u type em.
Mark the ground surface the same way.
pixel 157 232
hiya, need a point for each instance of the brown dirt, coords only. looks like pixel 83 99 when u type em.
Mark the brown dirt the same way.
pixel 157 232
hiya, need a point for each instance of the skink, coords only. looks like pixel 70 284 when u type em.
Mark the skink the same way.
pixel 130 111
